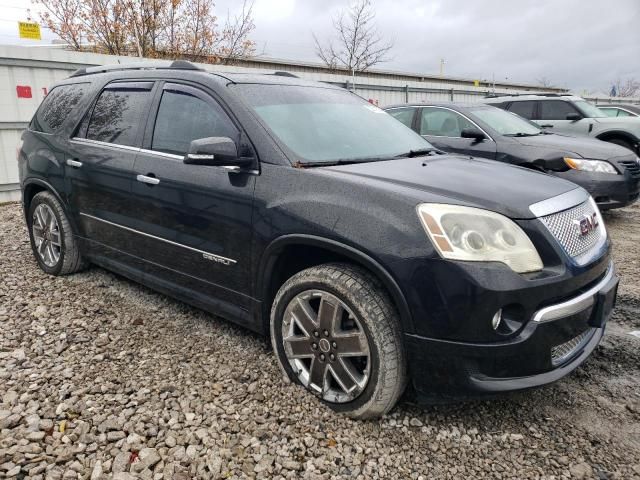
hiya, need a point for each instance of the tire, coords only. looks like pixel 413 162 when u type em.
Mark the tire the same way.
pixel 622 142
pixel 365 313
pixel 64 257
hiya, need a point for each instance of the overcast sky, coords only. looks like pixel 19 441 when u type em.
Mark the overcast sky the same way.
pixel 579 44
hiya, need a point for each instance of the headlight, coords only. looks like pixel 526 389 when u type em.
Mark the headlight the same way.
pixel 476 235
pixel 597 166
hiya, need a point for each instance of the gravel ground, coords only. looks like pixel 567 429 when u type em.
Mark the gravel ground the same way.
pixel 102 378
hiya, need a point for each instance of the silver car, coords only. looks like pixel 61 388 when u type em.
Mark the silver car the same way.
pixel 572 115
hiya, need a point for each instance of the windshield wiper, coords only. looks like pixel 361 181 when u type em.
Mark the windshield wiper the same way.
pixel 522 134
pixel 333 163
pixel 420 152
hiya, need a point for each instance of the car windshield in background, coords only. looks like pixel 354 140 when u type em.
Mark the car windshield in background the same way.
pixel 589 110
pixel 321 125
pixel 504 122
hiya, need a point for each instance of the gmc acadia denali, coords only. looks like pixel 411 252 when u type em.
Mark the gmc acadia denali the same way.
pixel 301 211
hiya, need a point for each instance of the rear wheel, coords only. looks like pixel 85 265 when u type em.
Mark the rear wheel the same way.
pixel 336 333
pixel 52 241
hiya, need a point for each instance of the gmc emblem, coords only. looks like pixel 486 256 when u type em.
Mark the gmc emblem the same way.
pixel 586 224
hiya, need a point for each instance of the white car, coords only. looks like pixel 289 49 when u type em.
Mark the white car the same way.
pixel 572 115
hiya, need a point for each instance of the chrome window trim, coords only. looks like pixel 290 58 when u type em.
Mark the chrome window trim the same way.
pixel 454 111
pixel 574 305
pixel 463 116
pixel 561 202
pixel 225 260
pixel 104 144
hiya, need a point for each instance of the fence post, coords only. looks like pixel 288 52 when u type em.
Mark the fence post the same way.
pixel 406 93
pixel 451 94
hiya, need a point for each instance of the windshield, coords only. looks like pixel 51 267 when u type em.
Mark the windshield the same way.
pixel 589 110
pixel 327 125
pixel 504 122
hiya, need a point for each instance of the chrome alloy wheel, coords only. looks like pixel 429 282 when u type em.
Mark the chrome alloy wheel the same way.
pixel 46 235
pixel 326 346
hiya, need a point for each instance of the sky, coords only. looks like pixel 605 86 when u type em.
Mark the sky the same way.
pixel 584 45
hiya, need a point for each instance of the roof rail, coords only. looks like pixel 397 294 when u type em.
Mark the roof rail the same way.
pixel 155 65
pixel 539 94
pixel 285 74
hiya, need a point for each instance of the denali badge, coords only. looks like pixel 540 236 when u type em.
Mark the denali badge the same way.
pixel 586 224
pixel 217 259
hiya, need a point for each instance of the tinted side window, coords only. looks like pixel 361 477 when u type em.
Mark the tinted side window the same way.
pixel 442 123
pixel 555 110
pixel 183 117
pixel 119 115
pixel 56 106
pixel 405 115
pixel 524 109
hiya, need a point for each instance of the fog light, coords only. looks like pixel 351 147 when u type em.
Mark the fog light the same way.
pixel 497 318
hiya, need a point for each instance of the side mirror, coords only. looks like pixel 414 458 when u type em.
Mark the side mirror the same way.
pixel 574 117
pixel 213 151
pixel 473 133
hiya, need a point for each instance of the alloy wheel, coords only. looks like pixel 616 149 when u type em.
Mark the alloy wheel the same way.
pixel 326 346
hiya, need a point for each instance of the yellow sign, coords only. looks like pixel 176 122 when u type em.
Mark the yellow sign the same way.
pixel 30 30
pixel 476 83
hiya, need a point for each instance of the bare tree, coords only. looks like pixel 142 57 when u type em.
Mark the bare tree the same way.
pixel 235 42
pixel 544 82
pixel 627 88
pixel 359 45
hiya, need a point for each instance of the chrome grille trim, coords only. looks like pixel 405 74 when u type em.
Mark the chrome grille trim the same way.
pixel 561 353
pixel 564 226
pixel 559 202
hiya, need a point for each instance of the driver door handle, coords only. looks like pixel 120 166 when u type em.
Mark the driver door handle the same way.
pixel 74 163
pixel 547 126
pixel 148 180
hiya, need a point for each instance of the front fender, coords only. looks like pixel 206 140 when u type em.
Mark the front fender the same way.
pixel 274 249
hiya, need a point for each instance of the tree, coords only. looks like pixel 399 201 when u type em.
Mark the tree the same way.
pixel 544 82
pixel 359 45
pixel 151 28
pixel 627 88
pixel 63 18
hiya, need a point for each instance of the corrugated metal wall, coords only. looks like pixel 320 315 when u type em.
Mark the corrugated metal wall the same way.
pixel 27 72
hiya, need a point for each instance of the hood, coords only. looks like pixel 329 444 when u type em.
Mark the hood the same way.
pixel 467 181
pixel 584 147
pixel 629 122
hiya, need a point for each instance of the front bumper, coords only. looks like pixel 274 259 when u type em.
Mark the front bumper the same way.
pixel 609 191
pixel 553 343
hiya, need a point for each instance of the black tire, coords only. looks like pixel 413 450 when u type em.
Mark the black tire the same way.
pixel 622 142
pixel 70 260
pixel 367 299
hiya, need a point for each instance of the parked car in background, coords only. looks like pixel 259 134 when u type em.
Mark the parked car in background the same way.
pixel 609 172
pixel 572 115
pixel 620 109
pixel 301 211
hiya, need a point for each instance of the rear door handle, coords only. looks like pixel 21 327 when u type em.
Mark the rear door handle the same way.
pixel 148 180
pixel 74 163
pixel 547 126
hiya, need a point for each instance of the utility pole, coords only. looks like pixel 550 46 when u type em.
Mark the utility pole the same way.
pixel 442 62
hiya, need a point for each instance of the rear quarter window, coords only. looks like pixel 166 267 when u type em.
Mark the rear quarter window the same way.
pixel 57 106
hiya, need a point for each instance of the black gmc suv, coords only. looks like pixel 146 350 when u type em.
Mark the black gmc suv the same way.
pixel 301 211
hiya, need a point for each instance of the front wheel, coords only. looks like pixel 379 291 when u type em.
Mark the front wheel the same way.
pixel 335 332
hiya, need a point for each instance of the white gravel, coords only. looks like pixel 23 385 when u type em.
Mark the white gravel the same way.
pixel 101 378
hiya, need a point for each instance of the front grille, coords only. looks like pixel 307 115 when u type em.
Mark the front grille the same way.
pixel 632 167
pixel 565 226
pixel 561 353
